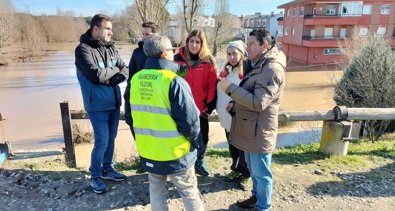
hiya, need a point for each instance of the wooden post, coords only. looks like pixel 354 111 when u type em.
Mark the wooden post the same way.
pixel 67 133
pixel 331 139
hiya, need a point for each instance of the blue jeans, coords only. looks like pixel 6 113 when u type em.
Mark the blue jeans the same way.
pixel 262 180
pixel 105 128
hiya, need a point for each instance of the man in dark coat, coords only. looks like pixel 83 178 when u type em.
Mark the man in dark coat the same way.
pixel 99 71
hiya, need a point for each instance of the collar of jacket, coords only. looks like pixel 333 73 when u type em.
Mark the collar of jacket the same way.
pixel 159 63
pixel 181 52
pixel 140 44
pixel 87 39
pixel 265 58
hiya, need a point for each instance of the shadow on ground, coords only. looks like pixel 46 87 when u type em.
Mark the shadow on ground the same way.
pixel 378 182
pixel 33 186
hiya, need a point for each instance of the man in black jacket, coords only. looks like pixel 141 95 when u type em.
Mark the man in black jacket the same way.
pixel 99 71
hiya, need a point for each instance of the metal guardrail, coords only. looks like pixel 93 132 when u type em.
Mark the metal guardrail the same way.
pixel 338 113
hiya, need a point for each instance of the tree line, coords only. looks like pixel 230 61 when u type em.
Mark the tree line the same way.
pixel 35 32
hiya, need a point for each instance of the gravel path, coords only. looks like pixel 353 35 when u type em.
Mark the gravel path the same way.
pixel 46 183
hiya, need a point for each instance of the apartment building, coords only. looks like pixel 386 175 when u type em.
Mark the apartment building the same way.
pixel 258 20
pixel 311 31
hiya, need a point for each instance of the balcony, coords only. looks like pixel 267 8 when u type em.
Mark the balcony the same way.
pixel 330 20
pixel 321 41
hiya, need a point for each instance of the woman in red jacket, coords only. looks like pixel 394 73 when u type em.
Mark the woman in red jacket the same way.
pixel 202 78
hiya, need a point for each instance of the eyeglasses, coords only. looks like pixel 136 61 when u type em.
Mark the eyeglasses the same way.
pixel 171 49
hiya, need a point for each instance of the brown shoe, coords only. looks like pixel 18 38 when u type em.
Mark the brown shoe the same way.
pixel 248 203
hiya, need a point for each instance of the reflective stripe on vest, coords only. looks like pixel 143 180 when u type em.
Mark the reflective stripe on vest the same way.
pixel 157 137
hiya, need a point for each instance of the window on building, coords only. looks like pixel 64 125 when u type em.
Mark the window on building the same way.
pixel 312 33
pixel 328 33
pixel 301 11
pixel 363 32
pixel 343 32
pixel 351 8
pixel 286 31
pixel 331 10
pixel 367 9
pixel 381 31
pixel 332 51
pixel 293 31
pixel 385 9
pixel 288 13
pixel 280 31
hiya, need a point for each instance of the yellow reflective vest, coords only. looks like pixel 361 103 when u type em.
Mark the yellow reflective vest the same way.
pixel 157 137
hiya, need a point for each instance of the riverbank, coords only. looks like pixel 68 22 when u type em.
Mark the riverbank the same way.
pixel 18 52
pixel 304 179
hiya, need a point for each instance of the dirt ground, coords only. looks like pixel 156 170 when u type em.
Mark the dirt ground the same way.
pixel 44 182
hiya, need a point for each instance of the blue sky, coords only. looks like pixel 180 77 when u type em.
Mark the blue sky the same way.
pixel 91 7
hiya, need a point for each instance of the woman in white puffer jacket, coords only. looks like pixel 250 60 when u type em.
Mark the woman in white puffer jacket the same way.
pixel 233 71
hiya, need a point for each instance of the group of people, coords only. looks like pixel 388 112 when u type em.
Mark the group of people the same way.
pixel 168 99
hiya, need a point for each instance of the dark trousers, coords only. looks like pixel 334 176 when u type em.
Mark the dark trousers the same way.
pixel 204 128
pixel 238 160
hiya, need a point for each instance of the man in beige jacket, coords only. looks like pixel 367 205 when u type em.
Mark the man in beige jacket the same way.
pixel 254 109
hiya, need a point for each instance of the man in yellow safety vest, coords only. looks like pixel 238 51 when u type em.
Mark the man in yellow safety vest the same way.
pixel 166 125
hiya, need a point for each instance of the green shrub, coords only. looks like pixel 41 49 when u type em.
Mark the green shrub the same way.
pixel 369 81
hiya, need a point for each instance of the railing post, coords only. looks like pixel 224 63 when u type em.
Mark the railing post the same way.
pixel 67 133
pixel 332 138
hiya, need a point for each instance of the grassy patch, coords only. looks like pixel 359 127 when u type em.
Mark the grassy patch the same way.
pixel 133 164
pixel 217 152
pixel 361 154
pixel 303 153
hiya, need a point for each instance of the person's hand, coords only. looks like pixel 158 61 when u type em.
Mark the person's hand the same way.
pixel 224 83
pixel 116 79
pixel 182 71
pixel 229 106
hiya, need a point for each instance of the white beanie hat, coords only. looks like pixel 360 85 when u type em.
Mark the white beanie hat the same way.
pixel 239 45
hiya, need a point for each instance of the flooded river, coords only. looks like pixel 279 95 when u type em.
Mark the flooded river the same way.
pixel 30 94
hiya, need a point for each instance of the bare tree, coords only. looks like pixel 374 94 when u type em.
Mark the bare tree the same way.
pixel 222 6
pixel 55 26
pixel 140 11
pixel 190 9
pixel 227 26
pixel 353 44
pixel 120 28
pixel 32 35
pixel 8 22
